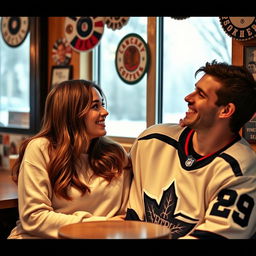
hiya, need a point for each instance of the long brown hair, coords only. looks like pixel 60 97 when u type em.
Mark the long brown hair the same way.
pixel 63 125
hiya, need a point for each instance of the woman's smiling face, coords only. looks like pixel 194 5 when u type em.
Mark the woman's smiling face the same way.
pixel 95 118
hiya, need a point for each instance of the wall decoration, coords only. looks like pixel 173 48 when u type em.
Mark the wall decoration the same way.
pixel 116 22
pixel 61 52
pixel 250 59
pixel 180 17
pixel 132 58
pixel 240 28
pixel 14 30
pixel 249 129
pixel 60 74
pixel 84 33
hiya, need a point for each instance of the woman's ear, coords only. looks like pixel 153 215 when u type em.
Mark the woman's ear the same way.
pixel 227 111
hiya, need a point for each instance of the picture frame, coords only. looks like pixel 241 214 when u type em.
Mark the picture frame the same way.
pixel 249 59
pixel 60 74
pixel 249 130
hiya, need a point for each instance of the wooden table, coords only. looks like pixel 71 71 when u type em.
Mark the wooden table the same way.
pixel 8 190
pixel 114 230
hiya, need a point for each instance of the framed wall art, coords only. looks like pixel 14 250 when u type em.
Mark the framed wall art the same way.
pixel 250 59
pixel 60 73
pixel 249 129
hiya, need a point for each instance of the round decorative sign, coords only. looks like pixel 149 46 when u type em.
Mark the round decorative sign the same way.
pixel 116 22
pixel 180 17
pixel 240 28
pixel 14 30
pixel 61 52
pixel 132 57
pixel 84 33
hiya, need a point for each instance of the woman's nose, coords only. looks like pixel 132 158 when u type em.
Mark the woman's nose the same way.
pixel 104 112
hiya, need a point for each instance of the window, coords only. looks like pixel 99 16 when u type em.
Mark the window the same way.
pixel 14 83
pixel 181 47
pixel 126 103
pixel 22 72
pixel 187 45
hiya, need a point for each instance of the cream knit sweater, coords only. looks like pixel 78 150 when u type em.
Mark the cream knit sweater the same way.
pixel 41 213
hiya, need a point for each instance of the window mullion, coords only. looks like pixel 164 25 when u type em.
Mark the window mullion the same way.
pixel 160 60
pixel 151 76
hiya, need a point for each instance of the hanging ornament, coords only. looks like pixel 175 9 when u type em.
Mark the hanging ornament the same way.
pixel 116 22
pixel 61 52
pixel 14 30
pixel 132 58
pixel 84 33
pixel 240 28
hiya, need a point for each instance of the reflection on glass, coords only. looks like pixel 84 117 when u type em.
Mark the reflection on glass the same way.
pixel 188 45
pixel 14 84
pixel 126 103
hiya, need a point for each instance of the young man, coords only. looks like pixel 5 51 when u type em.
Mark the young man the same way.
pixel 199 177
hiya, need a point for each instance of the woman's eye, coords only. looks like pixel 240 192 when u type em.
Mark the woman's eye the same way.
pixel 95 106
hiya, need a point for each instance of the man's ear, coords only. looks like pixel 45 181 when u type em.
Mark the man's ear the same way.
pixel 227 111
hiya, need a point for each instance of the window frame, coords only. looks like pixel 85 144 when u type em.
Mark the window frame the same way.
pixel 152 83
pixel 38 79
pixel 154 101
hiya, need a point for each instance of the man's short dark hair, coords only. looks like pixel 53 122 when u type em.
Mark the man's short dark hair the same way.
pixel 238 87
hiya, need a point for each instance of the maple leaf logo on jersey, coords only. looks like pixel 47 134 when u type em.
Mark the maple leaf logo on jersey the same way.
pixel 164 213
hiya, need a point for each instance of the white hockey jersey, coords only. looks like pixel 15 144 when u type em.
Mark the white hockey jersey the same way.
pixel 199 197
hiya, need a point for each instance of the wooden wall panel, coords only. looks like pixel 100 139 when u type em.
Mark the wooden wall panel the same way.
pixel 56 31
pixel 238 50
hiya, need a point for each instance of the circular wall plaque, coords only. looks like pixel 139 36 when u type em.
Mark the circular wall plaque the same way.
pixel 14 30
pixel 84 33
pixel 132 57
pixel 61 52
pixel 116 22
pixel 240 28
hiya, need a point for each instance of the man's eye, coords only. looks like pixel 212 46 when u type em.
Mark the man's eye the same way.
pixel 200 93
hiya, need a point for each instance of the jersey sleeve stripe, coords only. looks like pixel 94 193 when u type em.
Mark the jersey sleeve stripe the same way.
pixel 233 162
pixel 161 137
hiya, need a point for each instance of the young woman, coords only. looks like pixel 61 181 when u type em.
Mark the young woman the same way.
pixel 70 172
